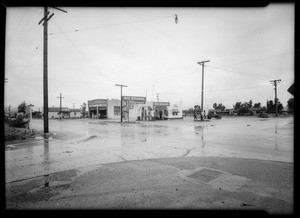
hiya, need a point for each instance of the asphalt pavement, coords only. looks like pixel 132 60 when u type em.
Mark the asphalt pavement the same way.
pixel 201 183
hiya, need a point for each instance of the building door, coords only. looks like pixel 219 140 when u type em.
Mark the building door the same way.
pixel 102 112
pixel 160 114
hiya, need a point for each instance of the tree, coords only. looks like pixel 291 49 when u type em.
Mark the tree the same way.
pixel 257 105
pixel 271 107
pixel 250 104
pixel 83 108
pixel 237 105
pixel 290 103
pixel 22 107
pixel 215 105
pixel 242 108
pixel 219 106
pixel 21 120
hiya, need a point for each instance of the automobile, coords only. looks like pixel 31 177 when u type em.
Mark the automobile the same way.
pixel 263 115
pixel 213 114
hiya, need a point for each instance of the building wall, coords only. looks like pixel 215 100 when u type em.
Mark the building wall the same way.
pixel 137 110
pixel 53 115
pixel 110 109
pixel 175 107
pixel 77 115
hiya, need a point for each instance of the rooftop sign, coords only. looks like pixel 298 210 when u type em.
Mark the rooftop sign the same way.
pixel 136 99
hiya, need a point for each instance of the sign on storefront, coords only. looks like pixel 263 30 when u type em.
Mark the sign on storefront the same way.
pixel 161 104
pixel 97 103
pixel 136 99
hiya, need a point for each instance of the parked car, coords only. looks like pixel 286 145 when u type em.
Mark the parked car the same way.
pixel 262 115
pixel 213 114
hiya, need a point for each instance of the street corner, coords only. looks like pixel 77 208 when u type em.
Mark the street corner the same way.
pixel 34 192
pixel 214 178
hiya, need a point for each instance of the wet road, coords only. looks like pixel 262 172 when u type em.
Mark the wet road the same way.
pixel 86 142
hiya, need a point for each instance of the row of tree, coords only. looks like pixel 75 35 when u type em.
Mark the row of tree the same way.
pixel 245 108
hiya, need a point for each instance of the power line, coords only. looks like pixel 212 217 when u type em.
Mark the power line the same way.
pixel 261 58
pixel 111 25
pixel 22 33
pixel 218 90
pixel 254 76
pixel 33 53
pixel 78 50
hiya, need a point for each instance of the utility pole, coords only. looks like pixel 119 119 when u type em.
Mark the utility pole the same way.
pixel 45 68
pixel 157 96
pixel 30 115
pixel 60 102
pixel 121 101
pixel 9 110
pixel 276 99
pixel 73 105
pixel 202 64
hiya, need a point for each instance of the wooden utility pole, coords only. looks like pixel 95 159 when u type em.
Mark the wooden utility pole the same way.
pixel 30 115
pixel 276 99
pixel 60 102
pixel 45 68
pixel 157 96
pixel 202 64
pixel 121 101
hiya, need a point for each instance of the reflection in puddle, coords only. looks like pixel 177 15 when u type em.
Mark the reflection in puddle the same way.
pixel 275 139
pixel 200 130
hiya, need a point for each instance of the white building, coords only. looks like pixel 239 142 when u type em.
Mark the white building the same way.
pixel 53 112
pixel 75 113
pixel 134 108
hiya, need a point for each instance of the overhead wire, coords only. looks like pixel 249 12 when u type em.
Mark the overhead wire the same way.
pixel 82 55
pixel 22 32
pixel 218 90
pixel 111 25
pixel 27 63
pixel 253 76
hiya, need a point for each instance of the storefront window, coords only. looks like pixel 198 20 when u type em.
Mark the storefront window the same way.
pixel 117 110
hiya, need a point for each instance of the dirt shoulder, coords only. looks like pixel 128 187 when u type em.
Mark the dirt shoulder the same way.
pixel 15 135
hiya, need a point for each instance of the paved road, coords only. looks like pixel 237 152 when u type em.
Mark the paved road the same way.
pixel 79 143
pixel 230 163
pixel 213 183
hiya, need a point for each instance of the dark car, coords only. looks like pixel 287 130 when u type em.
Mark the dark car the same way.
pixel 263 115
pixel 213 114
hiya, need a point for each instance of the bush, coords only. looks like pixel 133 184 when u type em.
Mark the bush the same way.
pixel 21 121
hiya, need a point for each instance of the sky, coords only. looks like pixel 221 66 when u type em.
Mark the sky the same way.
pixel 90 49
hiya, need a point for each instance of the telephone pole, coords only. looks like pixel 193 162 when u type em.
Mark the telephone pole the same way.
pixel 276 99
pixel 45 68
pixel 157 96
pixel 60 102
pixel 202 64
pixel 30 115
pixel 121 101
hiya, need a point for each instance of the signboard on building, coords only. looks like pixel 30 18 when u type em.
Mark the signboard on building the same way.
pixel 97 103
pixel 161 104
pixel 136 99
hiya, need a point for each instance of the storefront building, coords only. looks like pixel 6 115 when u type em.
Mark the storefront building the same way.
pixel 75 113
pixel 134 108
pixel 53 112
pixel 98 108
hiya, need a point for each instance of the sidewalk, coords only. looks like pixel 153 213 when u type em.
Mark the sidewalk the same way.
pixel 212 183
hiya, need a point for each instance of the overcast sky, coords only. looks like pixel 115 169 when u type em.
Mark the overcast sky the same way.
pixel 92 49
